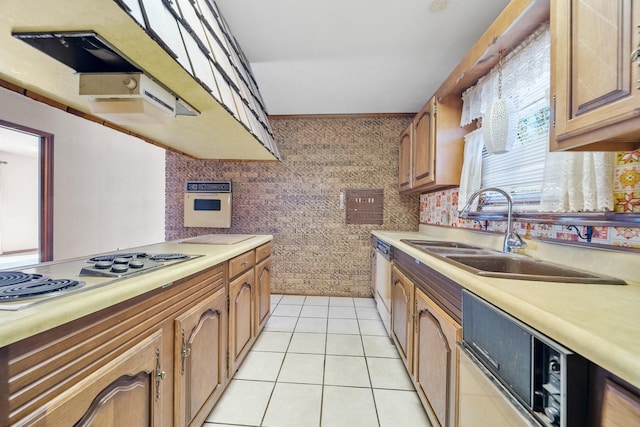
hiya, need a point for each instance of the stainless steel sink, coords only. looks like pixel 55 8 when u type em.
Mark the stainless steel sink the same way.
pixel 490 263
pixel 438 244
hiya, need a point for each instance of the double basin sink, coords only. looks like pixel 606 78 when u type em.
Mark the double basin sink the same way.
pixel 490 263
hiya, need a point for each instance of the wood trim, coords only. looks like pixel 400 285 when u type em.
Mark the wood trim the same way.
pixel 341 116
pixel 516 22
pixel 46 187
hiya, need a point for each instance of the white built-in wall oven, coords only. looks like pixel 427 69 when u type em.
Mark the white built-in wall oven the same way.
pixel 512 375
pixel 207 204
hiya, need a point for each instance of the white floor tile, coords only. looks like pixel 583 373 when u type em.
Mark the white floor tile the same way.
pixel 260 366
pixel 316 300
pixel 339 312
pixel 375 346
pixel 296 405
pixel 397 408
pixel 305 342
pixel 243 402
pixel 288 310
pixel 275 298
pixel 315 311
pixel 367 313
pixel 273 341
pixel 346 371
pixel 292 299
pixel 348 407
pixel 344 345
pixel 308 324
pixel 341 301
pixel 388 373
pixel 364 302
pixel 280 324
pixel 343 326
pixel 372 327
pixel 302 368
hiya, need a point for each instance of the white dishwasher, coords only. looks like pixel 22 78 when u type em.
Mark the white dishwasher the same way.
pixel 381 281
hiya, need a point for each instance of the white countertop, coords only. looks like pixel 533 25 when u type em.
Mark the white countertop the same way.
pixel 600 322
pixel 20 324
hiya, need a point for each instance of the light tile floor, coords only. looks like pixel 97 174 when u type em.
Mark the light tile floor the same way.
pixel 321 361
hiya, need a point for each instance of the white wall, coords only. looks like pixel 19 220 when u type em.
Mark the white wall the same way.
pixel 19 207
pixel 108 187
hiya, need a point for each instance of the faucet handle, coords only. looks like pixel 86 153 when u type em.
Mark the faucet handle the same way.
pixel 514 242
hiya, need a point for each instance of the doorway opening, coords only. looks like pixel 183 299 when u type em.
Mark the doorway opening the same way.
pixel 26 196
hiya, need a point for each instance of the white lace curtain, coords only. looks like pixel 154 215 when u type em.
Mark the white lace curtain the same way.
pixel 565 182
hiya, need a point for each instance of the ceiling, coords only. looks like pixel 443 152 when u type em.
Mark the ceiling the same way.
pixel 354 56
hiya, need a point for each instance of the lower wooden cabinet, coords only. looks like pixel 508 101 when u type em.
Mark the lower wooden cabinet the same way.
pixel 241 318
pixel 402 290
pixel 125 391
pixel 263 293
pixel 436 360
pixel 200 365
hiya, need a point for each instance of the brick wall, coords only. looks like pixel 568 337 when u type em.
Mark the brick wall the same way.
pixel 297 200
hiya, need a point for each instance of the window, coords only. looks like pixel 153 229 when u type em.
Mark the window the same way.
pixel 525 82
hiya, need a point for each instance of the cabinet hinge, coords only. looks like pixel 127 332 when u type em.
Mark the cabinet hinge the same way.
pixel 160 374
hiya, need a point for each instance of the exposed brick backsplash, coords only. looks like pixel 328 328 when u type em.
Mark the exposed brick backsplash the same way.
pixel 297 200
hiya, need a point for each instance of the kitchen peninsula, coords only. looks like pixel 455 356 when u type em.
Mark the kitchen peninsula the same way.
pixel 154 346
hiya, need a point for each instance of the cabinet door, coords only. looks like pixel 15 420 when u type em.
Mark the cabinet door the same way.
pixel 124 392
pixel 594 80
pixel 424 134
pixel 402 316
pixel 436 360
pixel 263 293
pixel 200 358
pixel 241 319
pixel 404 159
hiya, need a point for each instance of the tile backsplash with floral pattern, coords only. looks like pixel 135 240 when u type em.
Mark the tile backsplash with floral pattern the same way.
pixel 440 208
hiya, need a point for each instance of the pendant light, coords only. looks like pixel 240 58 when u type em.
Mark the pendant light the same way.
pixel 500 122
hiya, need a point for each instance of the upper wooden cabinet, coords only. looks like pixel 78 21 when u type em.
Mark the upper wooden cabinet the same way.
pixel 431 149
pixel 595 72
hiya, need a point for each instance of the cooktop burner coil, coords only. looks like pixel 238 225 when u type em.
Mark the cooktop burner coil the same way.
pixel 9 278
pixel 32 288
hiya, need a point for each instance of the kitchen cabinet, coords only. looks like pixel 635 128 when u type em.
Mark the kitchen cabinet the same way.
pixel 613 401
pixel 402 294
pixel 123 392
pixel 200 352
pixel 404 159
pixel 594 75
pixel 263 285
pixel 116 366
pixel 436 360
pixel 431 152
pixel 241 308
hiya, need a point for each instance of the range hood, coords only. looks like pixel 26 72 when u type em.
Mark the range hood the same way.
pixel 116 89
pixel 127 98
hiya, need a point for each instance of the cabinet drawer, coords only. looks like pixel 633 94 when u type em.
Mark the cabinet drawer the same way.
pixel 241 263
pixel 263 251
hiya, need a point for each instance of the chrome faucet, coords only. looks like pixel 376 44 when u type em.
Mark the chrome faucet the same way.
pixel 511 239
